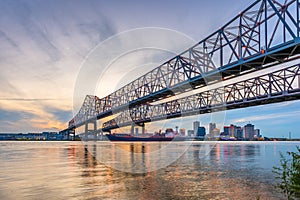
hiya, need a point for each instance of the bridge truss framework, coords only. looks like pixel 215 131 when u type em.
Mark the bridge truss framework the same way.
pixel 278 86
pixel 265 32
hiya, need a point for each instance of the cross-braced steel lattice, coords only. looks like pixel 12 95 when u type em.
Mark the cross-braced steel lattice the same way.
pixel 265 32
pixel 281 85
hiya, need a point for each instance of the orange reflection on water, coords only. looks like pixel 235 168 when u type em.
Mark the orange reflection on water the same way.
pixel 71 170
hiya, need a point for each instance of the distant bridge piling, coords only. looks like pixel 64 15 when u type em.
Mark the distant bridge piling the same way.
pixel 90 134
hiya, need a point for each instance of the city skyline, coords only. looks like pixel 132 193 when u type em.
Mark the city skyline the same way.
pixel 232 130
pixel 43 48
pixel 210 131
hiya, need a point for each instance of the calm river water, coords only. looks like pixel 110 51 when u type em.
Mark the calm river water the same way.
pixel 103 170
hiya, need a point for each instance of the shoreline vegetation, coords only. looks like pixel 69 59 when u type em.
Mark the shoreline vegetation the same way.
pixel 289 174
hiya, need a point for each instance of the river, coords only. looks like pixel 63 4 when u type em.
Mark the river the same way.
pixel 104 170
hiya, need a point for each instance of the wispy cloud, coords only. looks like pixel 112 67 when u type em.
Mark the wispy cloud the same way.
pixel 34 114
pixel 4 38
pixel 267 117
pixel 14 116
pixel 42 47
pixel 23 99
pixel 43 44
pixel 59 114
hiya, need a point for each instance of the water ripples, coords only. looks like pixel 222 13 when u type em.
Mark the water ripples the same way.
pixel 67 170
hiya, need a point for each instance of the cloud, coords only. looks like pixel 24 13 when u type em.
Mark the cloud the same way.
pixel 59 114
pixel 42 46
pixel 31 115
pixel 23 99
pixel 7 88
pixel 279 106
pixel 266 117
pixel 12 121
pixel 7 39
pixel 14 116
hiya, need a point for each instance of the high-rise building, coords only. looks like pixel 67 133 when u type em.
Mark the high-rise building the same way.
pixel 201 131
pixel 226 130
pixel 182 131
pixel 215 133
pixel 196 125
pixel 232 130
pixel 249 131
pixel 211 127
pixel 190 133
pixel 257 133
pixel 239 133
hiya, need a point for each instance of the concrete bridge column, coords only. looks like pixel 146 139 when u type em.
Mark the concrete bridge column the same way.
pixel 143 129
pixel 92 131
pixel 68 133
pixel 86 131
pixel 95 130
pixel 101 133
pixel 132 129
pixel 73 133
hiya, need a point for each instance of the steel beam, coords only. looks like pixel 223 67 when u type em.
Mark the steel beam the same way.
pixel 265 32
pixel 278 86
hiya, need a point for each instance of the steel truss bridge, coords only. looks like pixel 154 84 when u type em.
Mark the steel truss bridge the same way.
pixel 281 85
pixel 262 36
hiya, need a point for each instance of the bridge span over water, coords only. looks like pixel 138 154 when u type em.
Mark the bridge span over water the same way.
pixel 263 36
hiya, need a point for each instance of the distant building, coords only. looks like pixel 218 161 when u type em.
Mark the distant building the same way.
pixel 51 136
pixel 239 133
pixel 31 136
pixel 226 131
pixel 182 131
pixel 257 133
pixel 9 136
pixel 201 132
pixel 215 133
pixel 196 125
pixel 249 131
pixel 190 133
pixel 36 136
pixel 211 127
pixel 231 130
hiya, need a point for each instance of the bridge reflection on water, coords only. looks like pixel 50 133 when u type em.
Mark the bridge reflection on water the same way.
pixel 229 170
pixel 60 170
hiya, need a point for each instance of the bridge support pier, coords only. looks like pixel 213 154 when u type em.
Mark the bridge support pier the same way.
pixel 71 132
pixel 92 132
pixel 141 125
pixel 66 134
pixel 101 133
pixel 143 129
pixel 132 129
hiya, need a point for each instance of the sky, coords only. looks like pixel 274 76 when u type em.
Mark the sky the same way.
pixel 45 45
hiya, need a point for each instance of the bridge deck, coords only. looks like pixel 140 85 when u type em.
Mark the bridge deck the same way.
pixel 278 86
pixel 265 32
